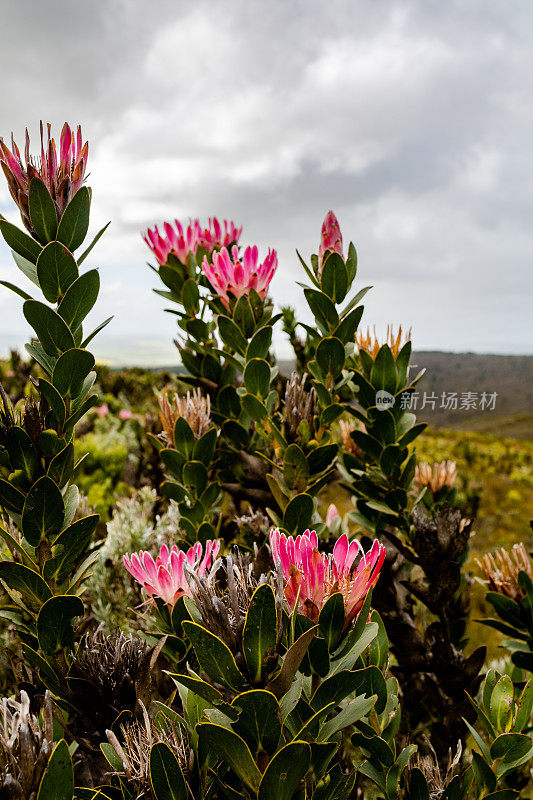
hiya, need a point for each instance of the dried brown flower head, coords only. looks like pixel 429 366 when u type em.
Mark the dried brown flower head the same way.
pixel 300 407
pixel 501 570
pixel 348 444
pixel 136 741
pixel 438 779
pixel 25 746
pixel 436 476
pixel 371 344
pixel 254 522
pixel 223 596
pixel 109 674
pixel 194 408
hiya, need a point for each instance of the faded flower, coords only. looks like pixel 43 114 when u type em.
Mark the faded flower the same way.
pixel 25 746
pixel 501 570
pixel 194 408
pixel 436 476
pixel 371 344
pixel 300 407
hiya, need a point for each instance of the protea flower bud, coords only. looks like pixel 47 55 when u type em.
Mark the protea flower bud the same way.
pixel 371 344
pixel 62 175
pixel 348 444
pixel 194 408
pixel 501 570
pixel 178 241
pixel 436 476
pixel 330 240
pixel 312 577
pixel 165 577
pixel 25 746
pixel 217 235
pixel 300 407
pixel 229 274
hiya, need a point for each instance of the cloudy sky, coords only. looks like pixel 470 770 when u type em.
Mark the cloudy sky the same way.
pixel 413 120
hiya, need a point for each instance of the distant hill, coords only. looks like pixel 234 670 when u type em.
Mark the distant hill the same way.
pixel 510 377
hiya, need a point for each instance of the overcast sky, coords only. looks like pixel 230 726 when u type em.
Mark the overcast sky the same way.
pixel 413 120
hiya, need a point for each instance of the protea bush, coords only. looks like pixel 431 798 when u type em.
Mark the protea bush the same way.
pixel 303 631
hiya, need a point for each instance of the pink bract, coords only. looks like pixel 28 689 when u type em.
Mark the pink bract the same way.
pixel 312 577
pixel 177 239
pixel 218 235
pixel 229 274
pixel 330 240
pixel 165 577
pixel 62 173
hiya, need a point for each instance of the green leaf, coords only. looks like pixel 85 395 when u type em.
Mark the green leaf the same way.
pixel 257 377
pixel 348 326
pixel 91 336
pixel 56 270
pixel 71 543
pixel 334 279
pixel 349 715
pixel 184 439
pixel 295 468
pixel 61 467
pixel 384 370
pixel 42 515
pixel 323 309
pixel 321 458
pixel 232 749
pixel 79 299
pixel 298 514
pixel 54 622
pixel 501 704
pixel 11 498
pixel 331 620
pixel 510 747
pixel 259 343
pixel 58 780
pixel 42 211
pixel 204 448
pixel 52 332
pixel 70 371
pixel 54 399
pixel 166 775
pixel 74 223
pixel 22 453
pixel 259 634
pixel 524 707
pixel 195 477
pixel 20 242
pixel 215 657
pixel 259 722
pixel 330 355
pixel 231 334
pixel 254 407
pixel 291 662
pixel 283 774
pixel 17 290
pixel 86 252
pixel 36 351
pixel 21 579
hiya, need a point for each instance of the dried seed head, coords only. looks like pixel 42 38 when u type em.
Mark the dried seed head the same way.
pixel 137 739
pixel 255 521
pixel 300 406
pixel 371 344
pixel 194 408
pixel 25 746
pixel 436 476
pixel 501 570
pixel 438 779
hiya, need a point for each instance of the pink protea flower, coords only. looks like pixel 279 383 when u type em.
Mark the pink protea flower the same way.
pixel 165 577
pixel 125 414
pixel 62 174
pixel 229 274
pixel 316 576
pixel 178 240
pixel 330 240
pixel 217 235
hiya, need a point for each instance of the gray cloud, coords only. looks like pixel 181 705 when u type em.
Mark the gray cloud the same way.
pixel 411 119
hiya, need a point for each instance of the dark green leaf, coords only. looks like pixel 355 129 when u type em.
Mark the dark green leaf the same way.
pixel 62 465
pixel 213 655
pixel 257 377
pixel 295 468
pixel 74 223
pixel 42 211
pixel 331 621
pixel 20 242
pixel 259 721
pixel 86 252
pixel 260 632
pixel 91 336
pixel 334 279
pixel 56 270
pixel 21 579
pixel 54 622
pixel 166 776
pixel 232 749
pixel 70 371
pixel 79 299
pixel 330 356
pixel 17 290
pixel 298 514
pixel 11 498
pixel 283 774
pixel 58 780
pixel 71 544
pixel 52 332
pixel 42 515
pixel 22 452
pixel 54 399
